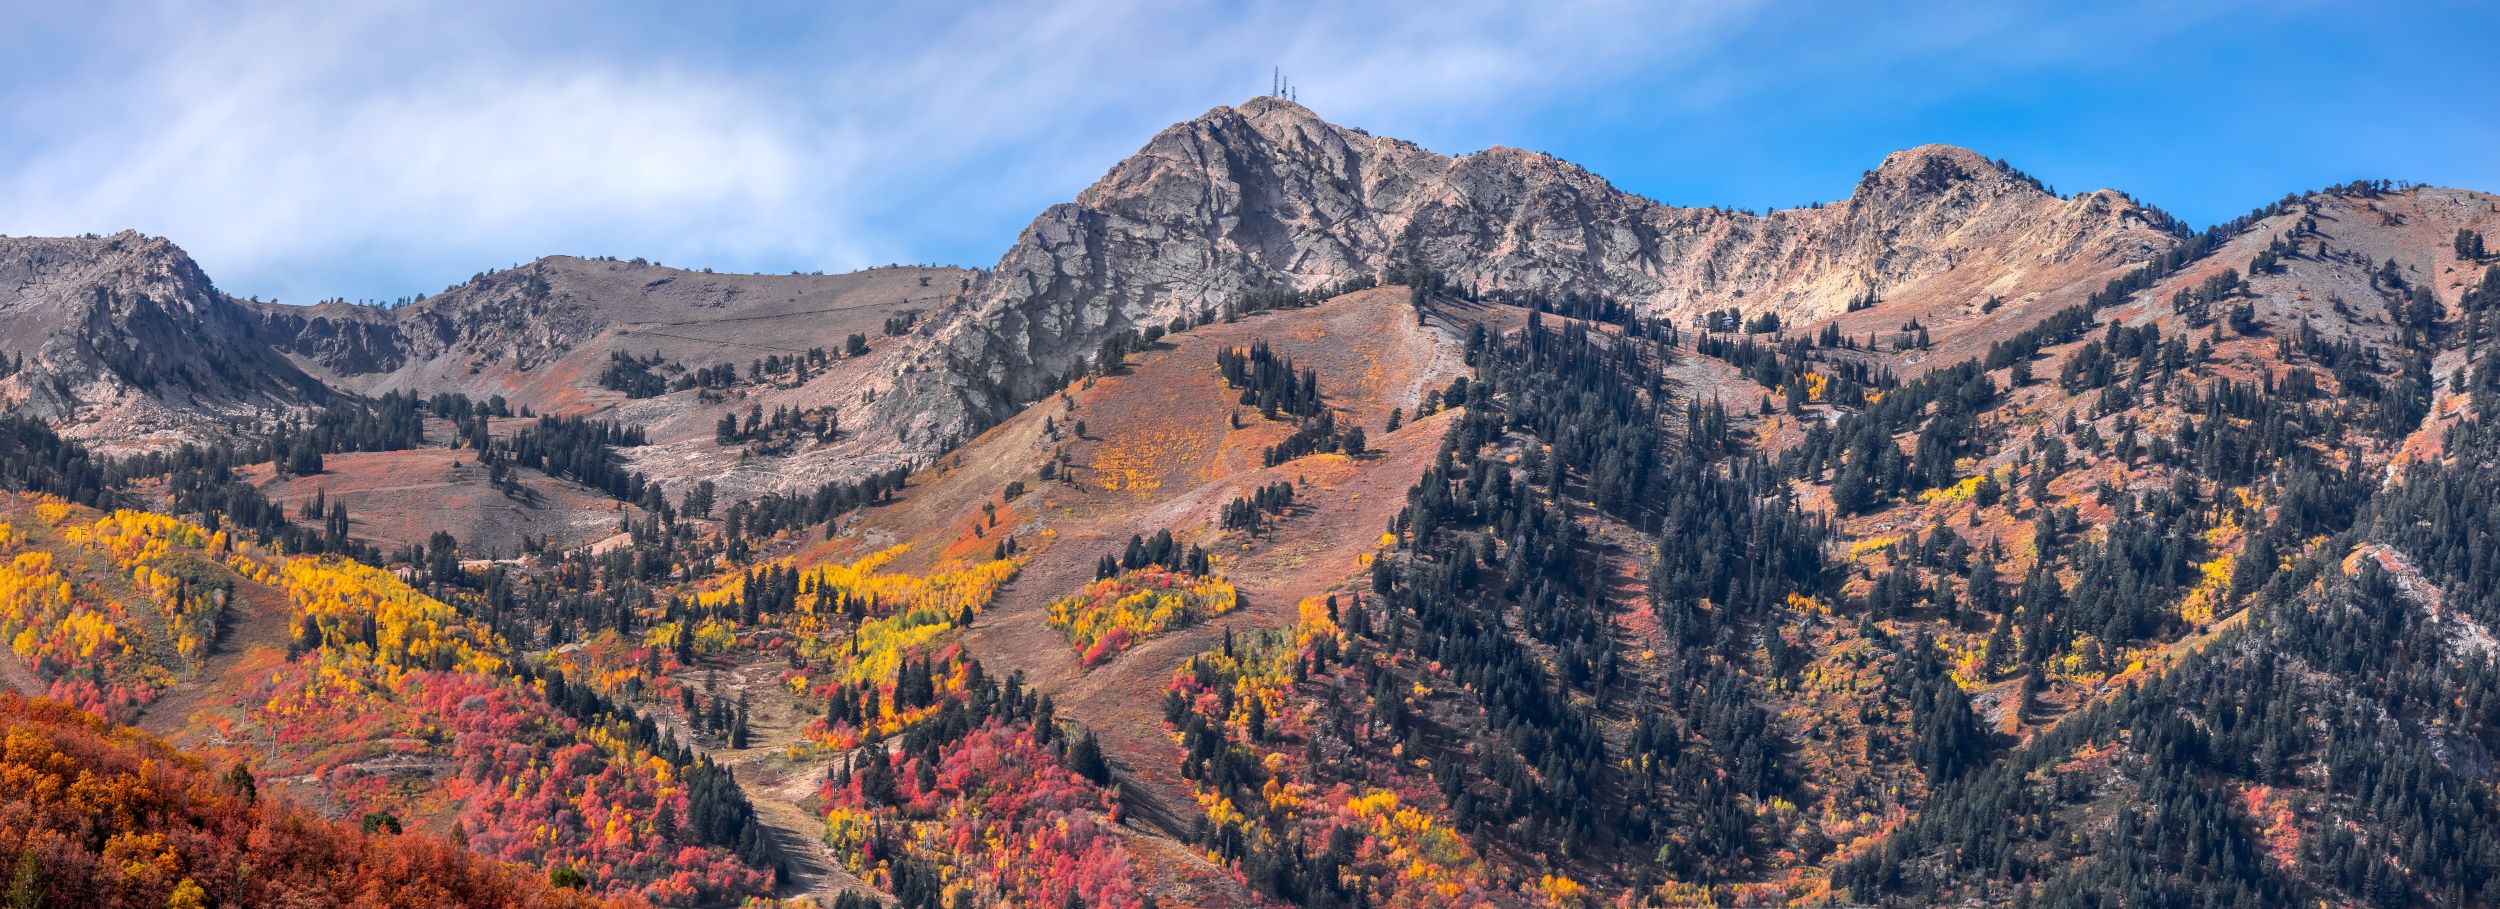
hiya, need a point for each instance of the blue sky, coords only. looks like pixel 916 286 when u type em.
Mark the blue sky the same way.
pixel 375 150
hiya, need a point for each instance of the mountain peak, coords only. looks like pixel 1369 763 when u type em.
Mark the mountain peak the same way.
pixel 123 338
pixel 1264 113
pixel 1270 105
pixel 1932 169
pixel 1920 155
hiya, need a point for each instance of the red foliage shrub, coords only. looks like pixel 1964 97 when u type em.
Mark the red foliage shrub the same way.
pixel 96 815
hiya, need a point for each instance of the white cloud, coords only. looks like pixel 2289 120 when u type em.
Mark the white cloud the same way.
pixel 306 150
pixel 302 149
pixel 290 137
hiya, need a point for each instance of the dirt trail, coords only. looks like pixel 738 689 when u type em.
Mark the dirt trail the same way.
pixel 252 639
pixel 783 790
pixel 15 674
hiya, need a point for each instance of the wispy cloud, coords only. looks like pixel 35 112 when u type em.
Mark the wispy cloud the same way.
pixel 304 149
pixel 307 150
pixel 285 142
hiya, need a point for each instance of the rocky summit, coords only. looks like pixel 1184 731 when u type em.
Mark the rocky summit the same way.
pixel 1268 197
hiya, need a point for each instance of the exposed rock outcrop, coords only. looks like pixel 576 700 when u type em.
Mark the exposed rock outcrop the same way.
pixel 1268 195
pixel 124 340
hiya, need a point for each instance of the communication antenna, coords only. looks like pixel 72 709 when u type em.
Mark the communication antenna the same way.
pixel 1281 87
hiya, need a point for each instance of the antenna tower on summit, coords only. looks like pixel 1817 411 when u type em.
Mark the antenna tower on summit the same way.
pixel 1280 87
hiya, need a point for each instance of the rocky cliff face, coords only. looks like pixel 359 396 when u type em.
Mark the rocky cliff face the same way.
pixel 512 320
pixel 124 340
pixel 1267 195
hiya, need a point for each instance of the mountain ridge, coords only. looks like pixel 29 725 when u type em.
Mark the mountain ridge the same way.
pixel 1261 197
pixel 1269 195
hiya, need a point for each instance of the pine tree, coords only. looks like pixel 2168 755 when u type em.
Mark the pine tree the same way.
pixel 1086 760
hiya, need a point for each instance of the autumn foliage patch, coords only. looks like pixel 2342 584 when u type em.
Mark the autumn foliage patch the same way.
pixel 1111 614
pixel 979 806
pixel 93 815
